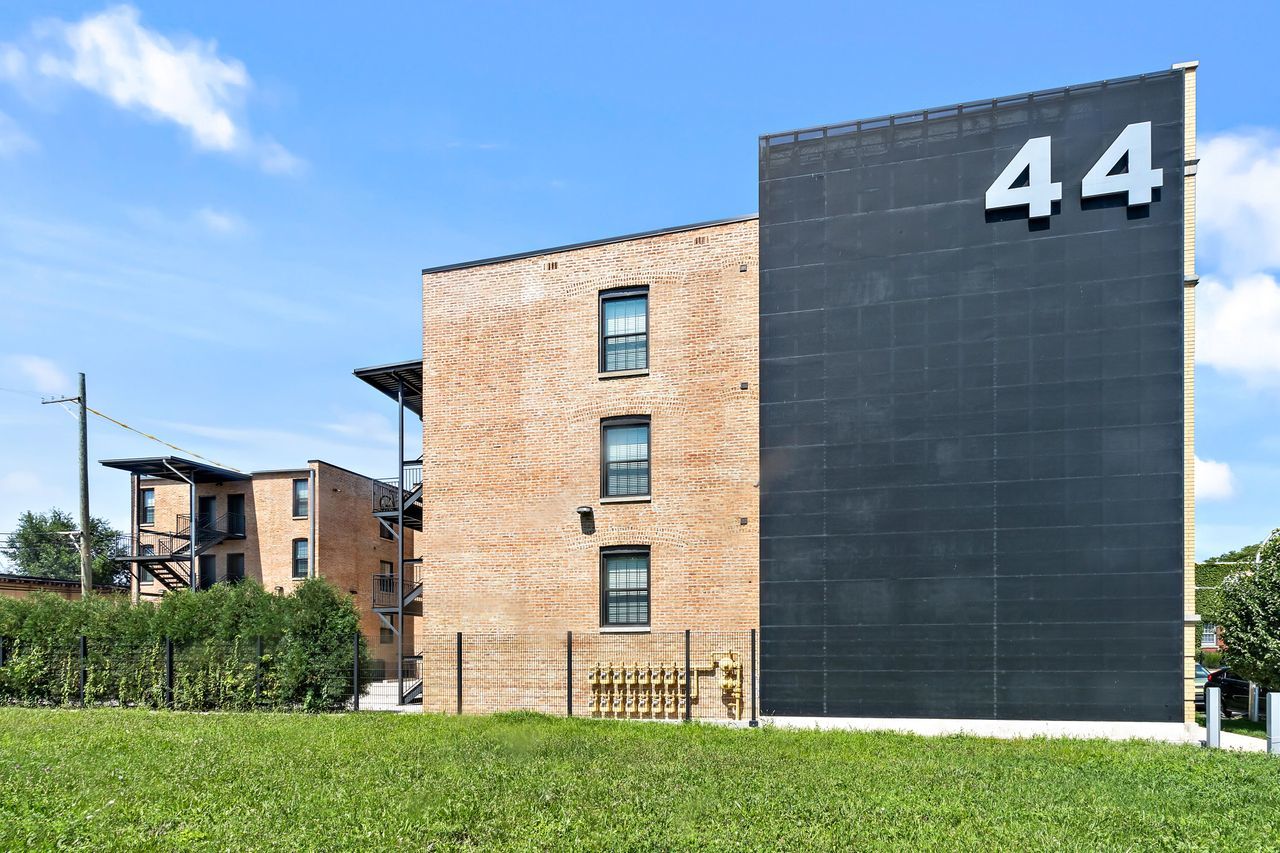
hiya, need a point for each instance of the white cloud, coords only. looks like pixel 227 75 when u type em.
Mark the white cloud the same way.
pixel 182 80
pixel 12 139
pixel 278 160
pixel 1238 212
pixel 1214 480
pixel 1238 327
pixel 39 373
pixel 219 221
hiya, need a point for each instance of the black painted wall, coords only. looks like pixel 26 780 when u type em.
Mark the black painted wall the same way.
pixel 971 422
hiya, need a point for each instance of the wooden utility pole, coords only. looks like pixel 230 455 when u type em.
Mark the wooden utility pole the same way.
pixel 86 557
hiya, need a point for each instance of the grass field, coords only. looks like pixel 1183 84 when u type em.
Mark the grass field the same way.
pixel 1240 726
pixel 145 780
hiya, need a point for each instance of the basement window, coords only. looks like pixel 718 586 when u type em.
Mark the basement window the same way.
pixel 624 586
pixel 624 329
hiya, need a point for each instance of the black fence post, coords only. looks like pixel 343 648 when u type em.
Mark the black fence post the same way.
pixel 688 680
pixel 754 721
pixel 257 675
pixel 1 651
pixel 84 663
pixel 168 673
pixel 459 673
pixel 355 675
pixel 569 672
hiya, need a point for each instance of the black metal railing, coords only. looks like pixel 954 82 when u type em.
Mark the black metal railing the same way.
pixel 384 586
pixel 384 491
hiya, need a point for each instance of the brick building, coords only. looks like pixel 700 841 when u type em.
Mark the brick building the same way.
pixel 275 527
pixel 21 586
pixel 590 463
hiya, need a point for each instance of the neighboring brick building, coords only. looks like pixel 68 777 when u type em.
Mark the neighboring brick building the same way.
pixel 275 527
pixel 20 586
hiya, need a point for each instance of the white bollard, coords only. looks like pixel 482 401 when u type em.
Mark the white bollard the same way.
pixel 1273 723
pixel 1213 717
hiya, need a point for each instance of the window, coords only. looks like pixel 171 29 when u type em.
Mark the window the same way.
pixel 301 499
pixel 1209 636
pixel 624 458
pixel 384 531
pixel 208 571
pixel 235 515
pixel 147 507
pixel 300 561
pixel 386 635
pixel 388 567
pixel 145 578
pixel 624 330
pixel 624 586
pixel 235 568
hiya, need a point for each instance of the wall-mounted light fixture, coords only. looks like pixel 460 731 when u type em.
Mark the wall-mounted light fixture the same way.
pixel 584 511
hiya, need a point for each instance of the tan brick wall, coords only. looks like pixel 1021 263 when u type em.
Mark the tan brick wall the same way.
pixel 512 436
pixel 1191 637
pixel 349 550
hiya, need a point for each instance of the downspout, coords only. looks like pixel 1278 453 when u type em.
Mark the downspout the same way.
pixel 312 482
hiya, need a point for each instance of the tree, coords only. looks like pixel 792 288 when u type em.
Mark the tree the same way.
pixel 41 547
pixel 1248 615
pixel 1210 574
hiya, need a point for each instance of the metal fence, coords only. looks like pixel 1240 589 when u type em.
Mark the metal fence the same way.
pixel 671 675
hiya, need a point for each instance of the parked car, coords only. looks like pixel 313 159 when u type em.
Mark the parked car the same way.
pixel 1202 676
pixel 1235 693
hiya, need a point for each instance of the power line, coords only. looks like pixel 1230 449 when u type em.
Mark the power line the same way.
pixel 148 435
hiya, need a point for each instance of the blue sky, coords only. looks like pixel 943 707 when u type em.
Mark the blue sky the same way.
pixel 218 210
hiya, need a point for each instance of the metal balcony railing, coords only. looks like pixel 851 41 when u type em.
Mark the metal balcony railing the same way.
pixel 384 587
pixel 384 491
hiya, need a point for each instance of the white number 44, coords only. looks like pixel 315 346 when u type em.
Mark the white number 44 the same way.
pixel 1039 193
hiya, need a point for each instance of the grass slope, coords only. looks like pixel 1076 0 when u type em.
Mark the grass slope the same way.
pixel 105 779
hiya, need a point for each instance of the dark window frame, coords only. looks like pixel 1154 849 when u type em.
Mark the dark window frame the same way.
pixel 210 560
pixel 306 566
pixel 386 636
pixel 624 421
pixel 602 340
pixel 624 551
pixel 306 510
pixel 230 560
pixel 145 518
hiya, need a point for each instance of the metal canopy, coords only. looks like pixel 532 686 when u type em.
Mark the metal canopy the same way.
pixel 163 468
pixel 386 377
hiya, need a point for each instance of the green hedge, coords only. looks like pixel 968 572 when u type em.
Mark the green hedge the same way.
pixel 235 648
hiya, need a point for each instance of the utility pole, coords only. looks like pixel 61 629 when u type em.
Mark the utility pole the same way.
pixel 86 559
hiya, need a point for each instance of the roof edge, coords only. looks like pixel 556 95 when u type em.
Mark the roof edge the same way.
pixel 604 241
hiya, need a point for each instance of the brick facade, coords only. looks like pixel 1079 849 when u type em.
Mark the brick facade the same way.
pixel 344 545
pixel 512 435
pixel 512 438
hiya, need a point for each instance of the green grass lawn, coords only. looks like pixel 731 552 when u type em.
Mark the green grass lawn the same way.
pixel 104 779
pixel 1240 726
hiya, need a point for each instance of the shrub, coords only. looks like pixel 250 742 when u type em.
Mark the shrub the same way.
pixel 235 648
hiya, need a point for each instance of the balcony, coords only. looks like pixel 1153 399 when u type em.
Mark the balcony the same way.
pixel 384 590
pixel 385 505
